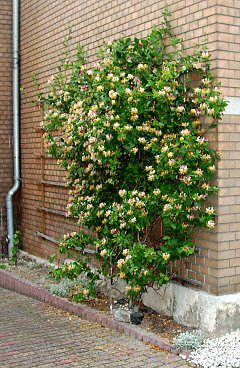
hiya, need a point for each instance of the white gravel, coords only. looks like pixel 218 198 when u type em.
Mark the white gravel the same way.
pixel 221 352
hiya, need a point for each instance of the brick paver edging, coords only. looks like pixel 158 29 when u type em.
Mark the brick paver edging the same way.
pixel 11 282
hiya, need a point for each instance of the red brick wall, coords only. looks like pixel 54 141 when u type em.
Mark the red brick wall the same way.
pixel 227 251
pixel 5 107
pixel 44 24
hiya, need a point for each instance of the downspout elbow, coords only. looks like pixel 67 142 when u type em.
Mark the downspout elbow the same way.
pixel 13 191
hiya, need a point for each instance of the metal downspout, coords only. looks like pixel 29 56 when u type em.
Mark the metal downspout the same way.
pixel 16 137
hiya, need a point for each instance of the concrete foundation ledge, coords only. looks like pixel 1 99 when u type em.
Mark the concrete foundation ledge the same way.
pixel 214 315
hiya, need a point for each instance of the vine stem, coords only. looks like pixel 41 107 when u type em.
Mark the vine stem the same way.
pixel 151 227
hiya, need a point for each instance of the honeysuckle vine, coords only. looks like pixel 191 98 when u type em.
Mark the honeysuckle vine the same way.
pixel 131 132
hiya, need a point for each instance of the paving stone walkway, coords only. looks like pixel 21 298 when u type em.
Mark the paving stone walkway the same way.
pixel 36 335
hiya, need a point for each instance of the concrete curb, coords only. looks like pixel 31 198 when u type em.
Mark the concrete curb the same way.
pixel 21 286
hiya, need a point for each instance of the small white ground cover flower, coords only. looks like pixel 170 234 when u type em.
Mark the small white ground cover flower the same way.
pixel 189 340
pixel 221 352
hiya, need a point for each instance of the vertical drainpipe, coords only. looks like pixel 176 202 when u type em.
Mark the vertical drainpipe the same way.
pixel 16 136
